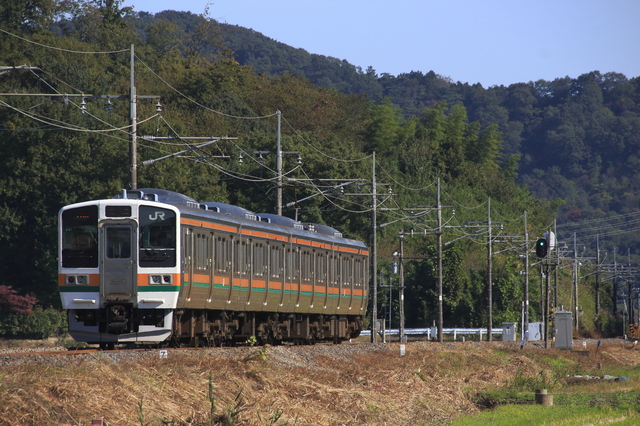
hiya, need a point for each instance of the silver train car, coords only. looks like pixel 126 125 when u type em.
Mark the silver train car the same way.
pixel 156 266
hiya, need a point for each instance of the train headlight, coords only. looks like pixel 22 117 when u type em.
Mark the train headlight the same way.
pixel 77 279
pixel 160 279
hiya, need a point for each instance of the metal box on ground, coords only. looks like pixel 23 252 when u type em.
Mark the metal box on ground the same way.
pixel 564 330
pixel 509 330
pixel 535 332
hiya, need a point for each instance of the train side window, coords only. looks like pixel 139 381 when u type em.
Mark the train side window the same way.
pixel 292 264
pixel 347 270
pixel 242 257
pixel 201 255
pixel 321 267
pixel 306 267
pixel 222 254
pixel 258 259
pixel 276 261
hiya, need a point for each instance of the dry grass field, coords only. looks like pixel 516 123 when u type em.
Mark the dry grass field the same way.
pixel 349 384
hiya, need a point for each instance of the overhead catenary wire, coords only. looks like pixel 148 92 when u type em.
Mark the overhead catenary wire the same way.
pixel 342 160
pixel 198 103
pixel 62 49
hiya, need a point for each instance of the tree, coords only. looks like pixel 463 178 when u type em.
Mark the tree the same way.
pixel 29 15
pixel 382 132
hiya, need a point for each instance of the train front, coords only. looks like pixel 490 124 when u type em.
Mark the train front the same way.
pixel 118 272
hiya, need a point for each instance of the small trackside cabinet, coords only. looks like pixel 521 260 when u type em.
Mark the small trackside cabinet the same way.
pixel 564 330
pixel 509 331
pixel 535 332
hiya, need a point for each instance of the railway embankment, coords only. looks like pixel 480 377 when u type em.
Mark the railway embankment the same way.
pixel 348 384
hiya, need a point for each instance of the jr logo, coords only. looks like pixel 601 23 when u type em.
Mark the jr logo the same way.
pixel 157 216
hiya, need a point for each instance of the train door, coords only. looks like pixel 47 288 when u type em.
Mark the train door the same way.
pixel 287 276
pixel 344 277
pixel 268 271
pixel 331 274
pixel 249 252
pixel 232 260
pixel 299 272
pixel 187 271
pixel 118 277
pixel 315 275
pixel 211 239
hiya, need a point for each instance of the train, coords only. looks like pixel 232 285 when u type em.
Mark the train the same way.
pixel 152 266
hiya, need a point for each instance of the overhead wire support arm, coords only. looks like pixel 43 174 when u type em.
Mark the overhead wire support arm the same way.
pixel 175 154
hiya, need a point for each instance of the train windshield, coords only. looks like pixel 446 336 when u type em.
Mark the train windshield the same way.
pixel 157 237
pixel 80 237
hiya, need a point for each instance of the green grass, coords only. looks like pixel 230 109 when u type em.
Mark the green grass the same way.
pixel 565 415
pixel 592 402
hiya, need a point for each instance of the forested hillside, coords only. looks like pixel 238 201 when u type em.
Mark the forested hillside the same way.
pixel 577 138
pixel 568 146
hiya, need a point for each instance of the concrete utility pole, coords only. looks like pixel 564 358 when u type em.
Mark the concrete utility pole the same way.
pixel 133 121
pixel 439 238
pixel 597 274
pixel 555 269
pixel 575 282
pixel 630 290
pixel 401 289
pixel 615 284
pixel 279 169
pixel 525 329
pixel 546 316
pixel 374 253
pixel 489 278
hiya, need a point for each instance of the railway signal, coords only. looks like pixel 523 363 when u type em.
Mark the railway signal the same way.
pixel 542 247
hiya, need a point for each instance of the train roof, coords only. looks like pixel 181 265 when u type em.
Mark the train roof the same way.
pixel 238 215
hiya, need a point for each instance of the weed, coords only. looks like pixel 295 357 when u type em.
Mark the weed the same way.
pixel 212 401
pixel 260 354
pixel 232 412
pixel 273 420
pixel 141 417
pixel 525 383
pixel 419 374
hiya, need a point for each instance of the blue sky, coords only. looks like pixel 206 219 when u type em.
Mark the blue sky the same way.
pixel 492 42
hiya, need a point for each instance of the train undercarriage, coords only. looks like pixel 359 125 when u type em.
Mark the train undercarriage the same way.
pixel 227 328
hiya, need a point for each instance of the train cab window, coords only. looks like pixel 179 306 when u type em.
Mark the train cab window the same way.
pixel 80 237
pixel 157 237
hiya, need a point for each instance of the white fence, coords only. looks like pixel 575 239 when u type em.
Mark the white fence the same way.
pixel 432 332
